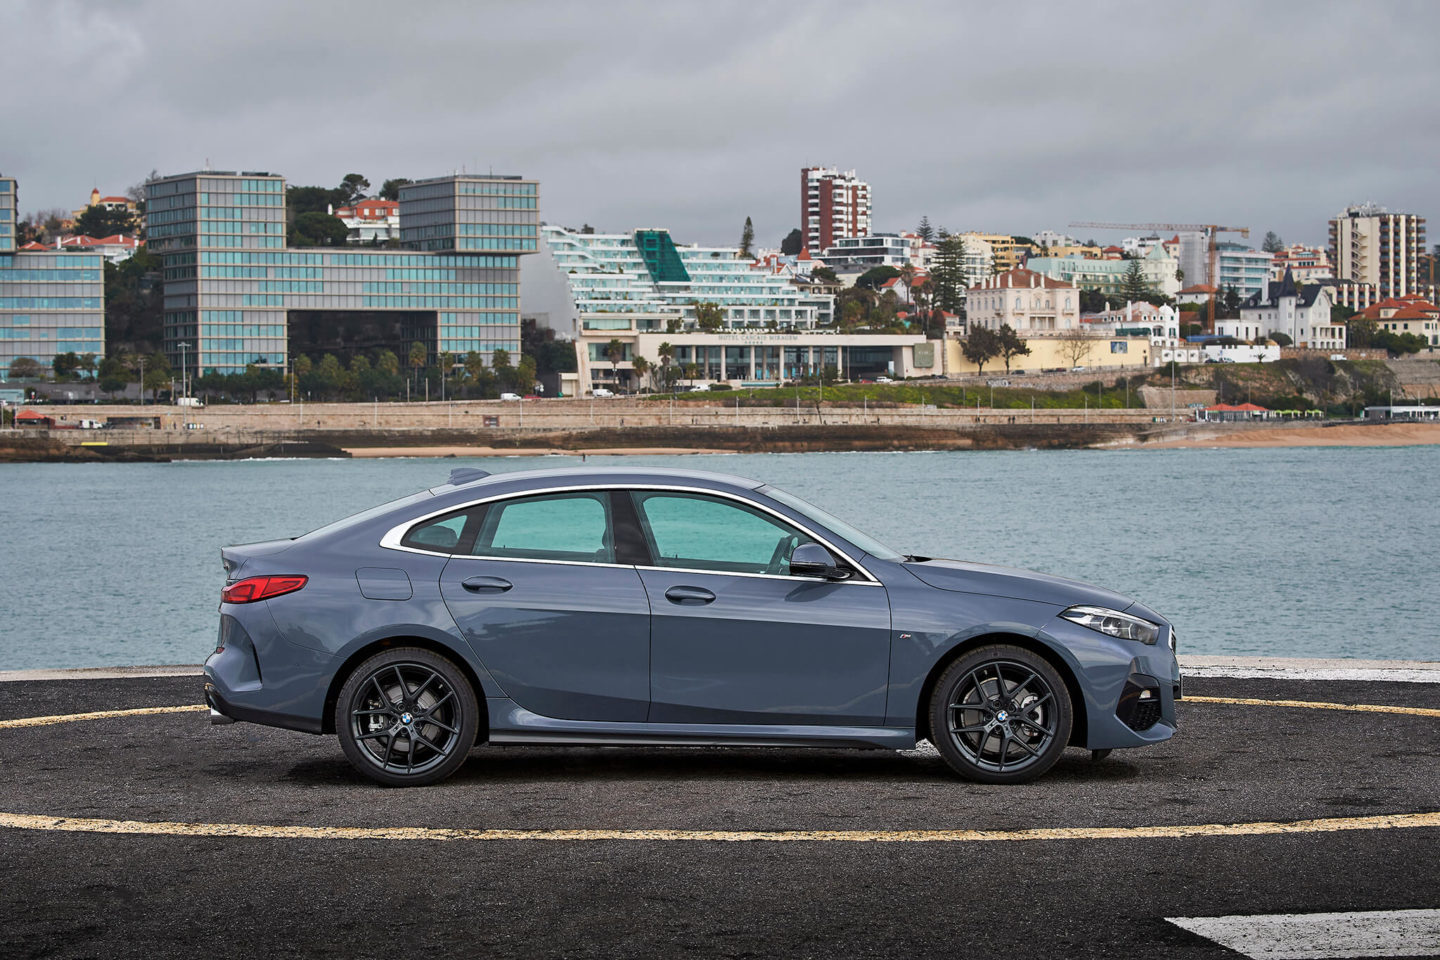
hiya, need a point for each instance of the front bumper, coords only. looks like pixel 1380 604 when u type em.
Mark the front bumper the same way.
pixel 1129 688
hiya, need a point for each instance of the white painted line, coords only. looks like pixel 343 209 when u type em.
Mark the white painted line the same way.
pixel 102 673
pixel 1296 668
pixel 1313 936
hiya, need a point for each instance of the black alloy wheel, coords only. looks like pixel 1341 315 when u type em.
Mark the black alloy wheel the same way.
pixel 407 717
pixel 1000 714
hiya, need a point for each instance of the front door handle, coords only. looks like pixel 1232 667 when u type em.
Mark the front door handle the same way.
pixel 486 584
pixel 689 595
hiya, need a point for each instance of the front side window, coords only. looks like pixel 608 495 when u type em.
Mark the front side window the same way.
pixel 710 533
pixel 569 527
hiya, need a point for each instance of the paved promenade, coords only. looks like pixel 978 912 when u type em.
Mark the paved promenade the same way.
pixel 151 834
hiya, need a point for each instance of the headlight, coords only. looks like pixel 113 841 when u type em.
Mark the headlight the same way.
pixel 1113 623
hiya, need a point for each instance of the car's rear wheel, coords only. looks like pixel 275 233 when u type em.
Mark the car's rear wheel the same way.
pixel 407 717
pixel 1000 714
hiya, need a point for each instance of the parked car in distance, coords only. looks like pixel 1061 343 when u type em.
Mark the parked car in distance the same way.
pixel 602 392
pixel 883 380
pixel 509 396
pixel 669 607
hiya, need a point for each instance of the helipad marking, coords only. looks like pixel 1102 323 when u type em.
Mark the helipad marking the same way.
pixel 1318 705
pixel 96 715
pixel 1398 821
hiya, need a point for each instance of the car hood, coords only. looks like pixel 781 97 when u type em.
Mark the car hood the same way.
pixel 983 578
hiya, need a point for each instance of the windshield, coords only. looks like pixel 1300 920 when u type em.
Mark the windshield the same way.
pixel 842 529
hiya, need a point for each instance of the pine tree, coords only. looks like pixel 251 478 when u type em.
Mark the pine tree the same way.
pixel 747 239
pixel 1272 243
pixel 925 231
pixel 1134 285
pixel 947 274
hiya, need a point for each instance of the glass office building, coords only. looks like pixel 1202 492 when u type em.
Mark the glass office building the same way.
pixel 51 302
pixel 232 284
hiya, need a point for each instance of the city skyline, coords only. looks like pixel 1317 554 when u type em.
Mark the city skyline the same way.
pixel 979 118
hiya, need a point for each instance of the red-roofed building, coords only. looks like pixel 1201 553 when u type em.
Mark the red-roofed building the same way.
pixel 1027 301
pixel 1196 293
pixel 1239 411
pixel 370 221
pixel 109 203
pixel 115 248
pixel 1406 315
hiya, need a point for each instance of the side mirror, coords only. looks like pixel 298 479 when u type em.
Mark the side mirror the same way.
pixel 813 560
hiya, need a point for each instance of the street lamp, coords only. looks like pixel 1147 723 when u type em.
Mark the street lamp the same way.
pixel 183 345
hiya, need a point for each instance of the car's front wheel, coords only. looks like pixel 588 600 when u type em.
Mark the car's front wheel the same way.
pixel 407 717
pixel 1000 714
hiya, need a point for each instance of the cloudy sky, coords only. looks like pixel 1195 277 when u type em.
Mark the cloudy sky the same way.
pixel 692 115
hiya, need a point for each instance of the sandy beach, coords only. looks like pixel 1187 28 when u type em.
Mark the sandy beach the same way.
pixel 462 451
pixel 1317 435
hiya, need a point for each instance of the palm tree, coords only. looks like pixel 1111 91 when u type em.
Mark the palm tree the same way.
pixel 615 352
pixel 641 365
pixel 418 355
pixel 667 353
pixel 907 277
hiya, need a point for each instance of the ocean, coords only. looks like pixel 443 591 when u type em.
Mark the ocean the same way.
pixel 1297 552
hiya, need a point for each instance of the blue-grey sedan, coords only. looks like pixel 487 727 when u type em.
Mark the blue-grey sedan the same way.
pixel 644 606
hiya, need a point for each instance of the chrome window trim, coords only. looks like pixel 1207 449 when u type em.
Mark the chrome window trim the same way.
pixel 393 536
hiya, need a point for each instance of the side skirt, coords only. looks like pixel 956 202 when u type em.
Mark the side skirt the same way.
pixel 510 723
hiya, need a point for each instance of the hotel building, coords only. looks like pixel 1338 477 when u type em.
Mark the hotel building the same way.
pixel 641 288
pixel 234 291
pixel 833 206
pixel 51 301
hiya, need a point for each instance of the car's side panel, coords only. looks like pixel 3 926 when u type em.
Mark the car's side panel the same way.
pixel 767 650
pixel 565 640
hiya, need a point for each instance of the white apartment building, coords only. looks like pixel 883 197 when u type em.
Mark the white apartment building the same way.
pixel 1027 301
pixel 1370 245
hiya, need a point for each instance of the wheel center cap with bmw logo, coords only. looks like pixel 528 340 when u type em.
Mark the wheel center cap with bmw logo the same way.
pixel 407 717
pixel 1002 716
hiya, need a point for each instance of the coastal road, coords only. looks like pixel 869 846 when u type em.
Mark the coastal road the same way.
pixel 156 835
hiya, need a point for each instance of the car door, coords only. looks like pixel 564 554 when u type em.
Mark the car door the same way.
pixel 537 588
pixel 735 638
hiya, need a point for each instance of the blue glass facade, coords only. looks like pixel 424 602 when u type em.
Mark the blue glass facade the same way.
pixel 230 281
pixel 50 302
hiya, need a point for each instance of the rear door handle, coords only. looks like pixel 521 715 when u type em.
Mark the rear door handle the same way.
pixel 486 584
pixel 689 595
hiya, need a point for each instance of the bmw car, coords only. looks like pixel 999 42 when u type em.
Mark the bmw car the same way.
pixel 668 607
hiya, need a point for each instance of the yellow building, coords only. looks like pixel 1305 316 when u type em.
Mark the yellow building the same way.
pixel 1006 250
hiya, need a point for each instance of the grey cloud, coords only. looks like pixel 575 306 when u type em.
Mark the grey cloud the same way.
pixel 693 116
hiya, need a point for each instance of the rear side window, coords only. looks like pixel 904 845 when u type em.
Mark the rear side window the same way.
pixel 572 526
pixel 442 535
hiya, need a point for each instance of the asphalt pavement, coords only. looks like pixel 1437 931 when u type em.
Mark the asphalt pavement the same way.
pixel 70 891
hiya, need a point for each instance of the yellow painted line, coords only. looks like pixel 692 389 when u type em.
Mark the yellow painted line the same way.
pixel 97 715
pixel 1399 821
pixel 1318 705
pixel 20 821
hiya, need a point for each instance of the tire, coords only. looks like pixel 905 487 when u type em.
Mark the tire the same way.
pixel 1000 714
pixel 407 717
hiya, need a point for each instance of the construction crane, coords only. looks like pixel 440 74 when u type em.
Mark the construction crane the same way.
pixel 1209 229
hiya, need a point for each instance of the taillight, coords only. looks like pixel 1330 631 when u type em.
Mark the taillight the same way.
pixel 252 589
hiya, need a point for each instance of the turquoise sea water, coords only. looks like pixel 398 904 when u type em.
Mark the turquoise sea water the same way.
pixel 1313 552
